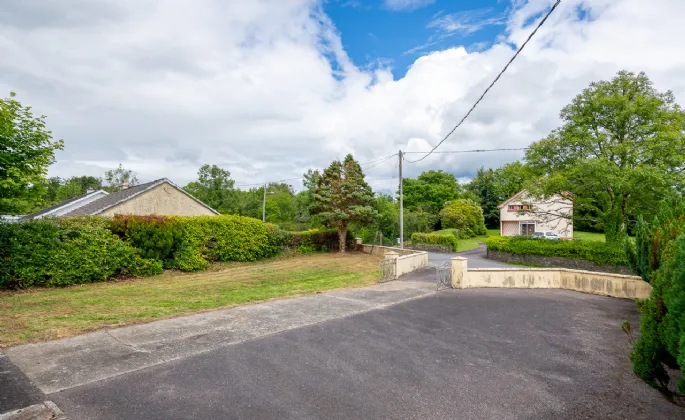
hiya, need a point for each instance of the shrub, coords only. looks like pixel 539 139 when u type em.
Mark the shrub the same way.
pixel 597 252
pixel 153 236
pixel 313 240
pixel 454 232
pixel 435 239
pixel 60 253
pixel 465 215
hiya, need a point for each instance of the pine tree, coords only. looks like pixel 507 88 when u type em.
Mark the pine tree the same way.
pixel 343 197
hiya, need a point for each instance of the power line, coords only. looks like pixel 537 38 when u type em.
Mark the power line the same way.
pixel 491 84
pixel 472 151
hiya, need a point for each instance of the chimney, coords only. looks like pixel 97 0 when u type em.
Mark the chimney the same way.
pixel 124 184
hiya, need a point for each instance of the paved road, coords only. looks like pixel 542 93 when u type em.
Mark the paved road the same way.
pixel 469 354
pixel 475 256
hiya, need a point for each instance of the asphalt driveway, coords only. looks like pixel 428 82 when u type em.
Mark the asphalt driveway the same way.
pixel 468 354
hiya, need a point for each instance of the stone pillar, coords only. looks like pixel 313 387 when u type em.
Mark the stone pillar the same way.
pixel 459 272
pixel 392 255
pixel 358 243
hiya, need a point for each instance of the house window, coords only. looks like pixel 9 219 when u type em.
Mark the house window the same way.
pixel 512 207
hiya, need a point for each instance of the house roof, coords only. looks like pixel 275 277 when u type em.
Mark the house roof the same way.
pixel 57 206
pixel 565 194
pixel 512 198
pixel 115 198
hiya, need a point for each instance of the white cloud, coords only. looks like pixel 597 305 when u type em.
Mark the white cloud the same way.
pixel 265 89
pixel 406 5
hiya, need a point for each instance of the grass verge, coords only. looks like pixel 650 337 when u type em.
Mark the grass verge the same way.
pixel 46 314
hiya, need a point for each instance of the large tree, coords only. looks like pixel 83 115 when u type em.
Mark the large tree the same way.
pixel 26 151
pixel 214 187
pixel 620 150
pixel 343 197
pixel 430 191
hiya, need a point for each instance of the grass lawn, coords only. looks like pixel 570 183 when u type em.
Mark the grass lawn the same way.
pixel 589 236
pixel 47 314
pixel 466 244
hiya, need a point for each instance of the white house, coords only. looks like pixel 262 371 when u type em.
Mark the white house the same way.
pixel 523 214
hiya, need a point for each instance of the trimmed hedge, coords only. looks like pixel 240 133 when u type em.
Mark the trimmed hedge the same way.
pixel 59 253
pixel 435 239
pixel 597 252
pixel 454 232
pixel 191 243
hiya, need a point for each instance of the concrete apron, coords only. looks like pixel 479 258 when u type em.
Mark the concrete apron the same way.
pixel 63 364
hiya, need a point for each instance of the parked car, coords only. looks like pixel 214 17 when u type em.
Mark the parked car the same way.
pixel 545 235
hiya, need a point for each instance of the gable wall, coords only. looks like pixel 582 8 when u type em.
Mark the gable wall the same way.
pixel 162 200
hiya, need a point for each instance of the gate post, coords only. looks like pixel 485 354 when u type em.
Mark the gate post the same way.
pixel 392 255
pixel 459 271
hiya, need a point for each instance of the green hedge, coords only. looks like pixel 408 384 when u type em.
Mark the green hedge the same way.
pixel 454 232
pixel 597 252
pixel 314 240
pixel 59 253
pixel 435 239
pixel 191 243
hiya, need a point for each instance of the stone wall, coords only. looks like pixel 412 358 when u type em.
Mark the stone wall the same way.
pixel 556 262
pixel 406 260
pixel 430 248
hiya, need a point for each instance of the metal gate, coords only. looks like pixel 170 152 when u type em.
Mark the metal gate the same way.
pixel 386 270
pixel 443 275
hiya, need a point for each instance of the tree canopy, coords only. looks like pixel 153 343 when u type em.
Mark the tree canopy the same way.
pixel 26 151
pixel 620 150
pixel 342 197
pixel 430 191
pixel 115 178
pixel 464 215
pixel 214 187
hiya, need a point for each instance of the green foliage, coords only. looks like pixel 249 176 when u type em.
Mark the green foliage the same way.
pixel 214 187
pixel 26 151
pixel 430 191
pixel 454 232
pixel 191 243
pixel 343 197
pixel 598 252
pixel 313 240
pixel 448 240
pixel 51 253
pixel 620 150
pixel 464 215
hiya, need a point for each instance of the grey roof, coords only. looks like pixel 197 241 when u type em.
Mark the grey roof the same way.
pixel 111 200
pixel 56 206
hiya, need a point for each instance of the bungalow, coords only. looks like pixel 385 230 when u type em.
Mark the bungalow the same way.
pixel 160 197
pixel 523 214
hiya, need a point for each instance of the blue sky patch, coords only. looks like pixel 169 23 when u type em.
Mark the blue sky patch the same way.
pixel 395 33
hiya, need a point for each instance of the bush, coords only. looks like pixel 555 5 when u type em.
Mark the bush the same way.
pixel 597 252
pixel 435 239
pixel 313 240
pixel 658 255
pixel 464 215
pixel 454 232
pixel 191 243
pixel 59 253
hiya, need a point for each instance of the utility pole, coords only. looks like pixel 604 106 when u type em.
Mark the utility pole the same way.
pixel 264 206
pixel 401 205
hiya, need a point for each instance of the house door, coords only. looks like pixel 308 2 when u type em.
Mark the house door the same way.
pixel 527 229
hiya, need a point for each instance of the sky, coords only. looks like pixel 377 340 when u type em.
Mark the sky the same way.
pixel 269 88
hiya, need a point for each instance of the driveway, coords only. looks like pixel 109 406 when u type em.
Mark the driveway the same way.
pixel 469 354
pixel 476 258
